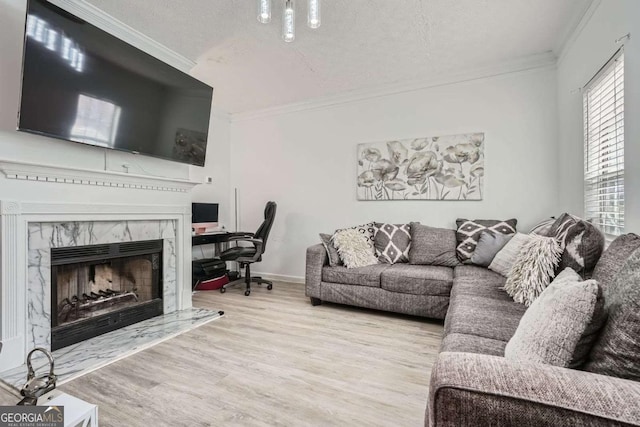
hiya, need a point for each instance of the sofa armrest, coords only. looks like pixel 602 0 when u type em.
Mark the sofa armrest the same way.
pixel 316 259
pixel 474 389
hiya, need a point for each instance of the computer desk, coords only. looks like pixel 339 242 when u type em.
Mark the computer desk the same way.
pixel 217 238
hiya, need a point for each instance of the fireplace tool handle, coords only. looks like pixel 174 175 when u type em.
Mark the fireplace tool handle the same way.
pixel 37 386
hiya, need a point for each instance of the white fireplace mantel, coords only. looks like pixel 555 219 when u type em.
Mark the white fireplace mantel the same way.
pixel 71 175
pixel 15 217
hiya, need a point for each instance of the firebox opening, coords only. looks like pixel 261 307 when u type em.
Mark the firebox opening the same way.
pixel 100 288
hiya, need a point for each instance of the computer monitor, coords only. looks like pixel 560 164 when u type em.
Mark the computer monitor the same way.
pixel 204 216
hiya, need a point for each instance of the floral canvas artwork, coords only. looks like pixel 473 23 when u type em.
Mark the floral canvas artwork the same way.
pixel 432 168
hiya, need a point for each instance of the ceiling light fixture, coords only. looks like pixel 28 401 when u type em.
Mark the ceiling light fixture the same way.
pixel 313 16
pixel 265 11
pixel 289 16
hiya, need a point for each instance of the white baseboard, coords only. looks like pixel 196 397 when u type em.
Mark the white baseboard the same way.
pixel 280 277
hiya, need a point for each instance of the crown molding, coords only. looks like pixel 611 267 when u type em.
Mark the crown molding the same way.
pixel 119 29
pixel 534 62
pixel 66 175
pixel 575 30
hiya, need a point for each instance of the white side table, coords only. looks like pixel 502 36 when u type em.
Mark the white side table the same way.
pixel 77 413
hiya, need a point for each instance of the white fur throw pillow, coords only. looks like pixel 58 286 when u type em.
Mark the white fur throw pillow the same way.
pixel 533 269
pixel 354 248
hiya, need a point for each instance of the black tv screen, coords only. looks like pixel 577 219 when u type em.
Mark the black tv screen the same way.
pixel 82 84
pixel 204 212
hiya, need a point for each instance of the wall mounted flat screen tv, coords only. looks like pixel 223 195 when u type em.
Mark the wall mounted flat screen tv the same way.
pixel 82 84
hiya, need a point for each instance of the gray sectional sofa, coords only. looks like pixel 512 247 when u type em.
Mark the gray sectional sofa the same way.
pixel 472 384
pixel 419 290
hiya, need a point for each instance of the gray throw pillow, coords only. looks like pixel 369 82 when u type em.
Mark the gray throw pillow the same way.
pixel 332 252
pixel 582 243
pixel 612 260
pixel 392 242
pixel 506 257
pixel 432 246
pixel 560 324
pixel 488 246
pixel 617 350
pixel 469 231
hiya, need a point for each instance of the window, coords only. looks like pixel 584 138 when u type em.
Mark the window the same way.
pixel 96 122
pixel 604 147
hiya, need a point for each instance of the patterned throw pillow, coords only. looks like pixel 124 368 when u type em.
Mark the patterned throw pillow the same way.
pixel 533 269
pixel 469 231
pixel 582 243
pixel 368 230
pixel 543 228
pixel 392 242
pixel 560 326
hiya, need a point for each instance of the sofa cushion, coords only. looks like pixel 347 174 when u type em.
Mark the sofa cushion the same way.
pixel 483 317
pixel 475 281
pixel 392 242
pixel 617 350
pixel 362 276
pixel 480 273
pixel 582 243
pixel 468 286
pixel 614 258
pixel 432 246
pixel 418 279
pixel 472 344
pixel 468 234
pixel 561 324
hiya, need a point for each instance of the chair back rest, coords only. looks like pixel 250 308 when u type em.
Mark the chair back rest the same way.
pixel 265 227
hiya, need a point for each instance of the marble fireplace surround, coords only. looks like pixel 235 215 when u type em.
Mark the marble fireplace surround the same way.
pixel 28 231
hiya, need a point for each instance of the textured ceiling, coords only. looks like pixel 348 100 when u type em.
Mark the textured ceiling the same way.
pixel 361 44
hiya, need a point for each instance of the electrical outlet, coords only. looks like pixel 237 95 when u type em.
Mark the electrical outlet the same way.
pixel 208 180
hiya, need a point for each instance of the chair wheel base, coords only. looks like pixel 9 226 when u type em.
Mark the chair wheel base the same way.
pixel 269 287
pixel 223 290
pixel 247 293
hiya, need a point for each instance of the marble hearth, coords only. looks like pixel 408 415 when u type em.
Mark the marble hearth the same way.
pixel 28 232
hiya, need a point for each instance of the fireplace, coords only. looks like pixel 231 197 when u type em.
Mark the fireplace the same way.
pixel 99 288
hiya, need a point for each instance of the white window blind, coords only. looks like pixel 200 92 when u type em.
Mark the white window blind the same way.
pixel 604 147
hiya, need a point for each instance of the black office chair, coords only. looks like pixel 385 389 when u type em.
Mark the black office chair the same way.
pixel 247 255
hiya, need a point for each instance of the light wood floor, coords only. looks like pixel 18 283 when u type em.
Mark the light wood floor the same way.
pixel 273 359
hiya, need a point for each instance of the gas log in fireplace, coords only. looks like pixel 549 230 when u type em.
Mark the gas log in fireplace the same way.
pixel 97 289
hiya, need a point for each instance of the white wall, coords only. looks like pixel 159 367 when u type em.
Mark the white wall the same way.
pixel 593 45
pixel 306 160
pixel 217 166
